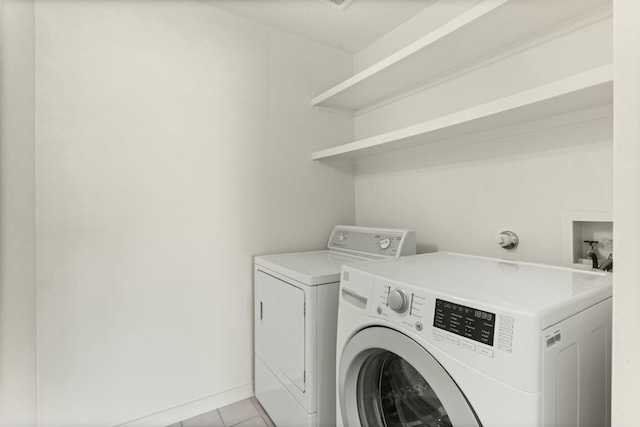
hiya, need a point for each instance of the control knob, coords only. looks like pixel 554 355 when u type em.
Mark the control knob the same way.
pixel 398 301
pixel 385 243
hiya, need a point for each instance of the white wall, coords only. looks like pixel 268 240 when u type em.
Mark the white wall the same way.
pixel 626 280
pixel 458 199
pixel 17 215
pixel 173 145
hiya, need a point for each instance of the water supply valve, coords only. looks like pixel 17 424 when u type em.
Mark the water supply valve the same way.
pixel 591 243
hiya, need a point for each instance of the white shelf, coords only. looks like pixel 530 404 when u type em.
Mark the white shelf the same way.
pixel 583 91
pixel 486 28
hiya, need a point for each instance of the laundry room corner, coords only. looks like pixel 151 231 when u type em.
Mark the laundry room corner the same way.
pixel 170 171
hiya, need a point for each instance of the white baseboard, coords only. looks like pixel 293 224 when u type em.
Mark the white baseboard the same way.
pixel 191 409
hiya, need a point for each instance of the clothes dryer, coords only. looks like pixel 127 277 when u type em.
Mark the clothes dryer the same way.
pixel 296 308
pixel 454 340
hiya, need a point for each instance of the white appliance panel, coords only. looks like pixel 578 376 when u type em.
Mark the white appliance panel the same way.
pixel 577 369
pixel 284 410
pixel 553 292
pixel 508 352
pixel 381 244
pixel 518 363
pixel 280 326
pixel 309 268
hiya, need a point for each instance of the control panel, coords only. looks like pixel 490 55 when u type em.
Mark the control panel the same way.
pixel 468 322
pixel 375 242
pixel 495 339
pixel 443 321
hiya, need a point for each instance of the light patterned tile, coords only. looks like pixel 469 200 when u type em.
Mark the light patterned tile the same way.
pixel 238 412
pixel 258 406
pixel 253 422
pixel 208 419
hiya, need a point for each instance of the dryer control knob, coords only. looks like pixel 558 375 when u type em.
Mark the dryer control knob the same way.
pixel 385 243
pixel 398 301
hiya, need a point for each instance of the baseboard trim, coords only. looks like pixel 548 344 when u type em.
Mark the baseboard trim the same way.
pixel 191 409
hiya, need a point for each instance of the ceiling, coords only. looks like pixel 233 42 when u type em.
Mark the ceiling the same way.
pixel 351 29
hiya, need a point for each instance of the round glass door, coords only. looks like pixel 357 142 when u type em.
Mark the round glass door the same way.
pixel 392 393
pixel 386 379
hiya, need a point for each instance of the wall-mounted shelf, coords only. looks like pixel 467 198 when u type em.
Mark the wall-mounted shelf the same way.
pixel 488 27
pixel 579 92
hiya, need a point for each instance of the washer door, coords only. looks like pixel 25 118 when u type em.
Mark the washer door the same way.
pixel 386 379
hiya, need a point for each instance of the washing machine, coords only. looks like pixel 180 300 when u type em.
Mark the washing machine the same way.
pixel 447 339
pixel 296 308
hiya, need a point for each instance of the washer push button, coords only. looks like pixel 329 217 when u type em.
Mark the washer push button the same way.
pixel 505 341
pixel 485 351
pixel 453 339
pixel 468 345
pixel 438 335
pixel 504 348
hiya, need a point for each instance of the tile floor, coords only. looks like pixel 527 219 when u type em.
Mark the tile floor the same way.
pixel 246 413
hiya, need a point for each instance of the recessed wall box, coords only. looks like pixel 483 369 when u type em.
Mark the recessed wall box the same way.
pixel 578 227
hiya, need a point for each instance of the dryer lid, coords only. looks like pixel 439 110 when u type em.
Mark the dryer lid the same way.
pixel 308 268
pixel 347 244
